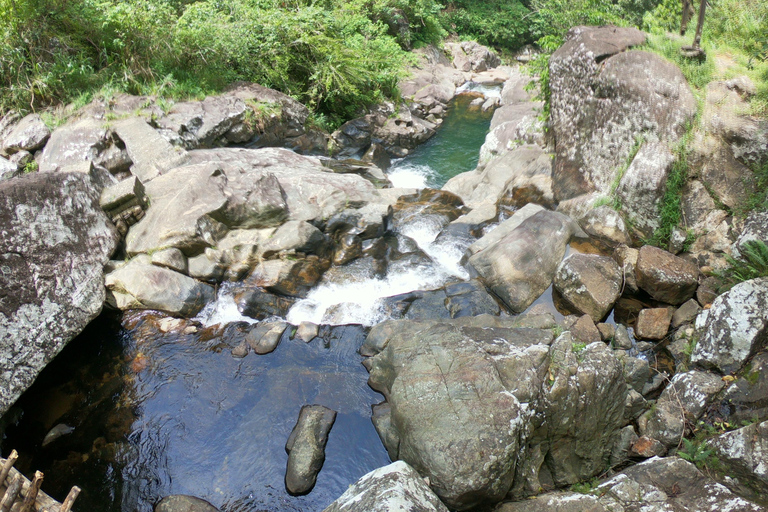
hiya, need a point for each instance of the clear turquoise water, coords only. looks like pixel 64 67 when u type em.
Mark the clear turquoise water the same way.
pixel 453 150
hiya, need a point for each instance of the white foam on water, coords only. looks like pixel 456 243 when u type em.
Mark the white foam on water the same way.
pixel 410 176
pixel 489 91
pixel 359 299
pixel 223 310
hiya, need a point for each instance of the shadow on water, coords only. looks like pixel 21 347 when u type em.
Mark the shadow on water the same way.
pixel 157 414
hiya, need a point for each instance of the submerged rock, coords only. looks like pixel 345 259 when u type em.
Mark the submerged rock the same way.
pixel 55 241
pixel 396 487
pixel 182 503
pixel 306 447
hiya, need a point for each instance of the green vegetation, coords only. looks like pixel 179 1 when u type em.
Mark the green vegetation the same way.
pixel 587 487
pixel 500 23
pixel 753 264
pixel 335 56
pixel 697 452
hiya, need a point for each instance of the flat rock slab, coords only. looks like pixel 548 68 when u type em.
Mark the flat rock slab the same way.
pixel 151 154
pixel 397 487
pixel 54 241
pixel 306 448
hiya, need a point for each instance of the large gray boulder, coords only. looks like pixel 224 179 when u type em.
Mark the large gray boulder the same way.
pixel 735 328
pixel 482 407
pixel 397 487
pixel 196 124
pixel 141 285
pixel 55 241
pixel 603 97
pixel 520 267
pixel 589 283
pixel 668 484
pixel 73 143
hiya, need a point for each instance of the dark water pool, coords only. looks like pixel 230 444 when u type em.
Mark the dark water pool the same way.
pixel 157 414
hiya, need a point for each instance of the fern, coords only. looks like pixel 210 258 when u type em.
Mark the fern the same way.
pixel 753 264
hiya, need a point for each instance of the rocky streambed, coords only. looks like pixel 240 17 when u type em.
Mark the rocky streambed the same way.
pixel 501 333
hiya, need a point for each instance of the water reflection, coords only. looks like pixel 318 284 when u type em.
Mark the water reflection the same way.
pixel 186 417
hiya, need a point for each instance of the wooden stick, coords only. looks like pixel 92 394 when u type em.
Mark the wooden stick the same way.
pixel 9 462
pixel 31 497
pixel 71 497
pixel 11 493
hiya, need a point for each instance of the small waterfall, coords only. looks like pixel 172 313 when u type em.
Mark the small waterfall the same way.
pixel 223 310
pixel 407 175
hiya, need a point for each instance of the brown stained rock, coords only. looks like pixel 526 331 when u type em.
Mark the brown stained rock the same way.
pixel 647 447
pixel 653 323
pixel 589 283
pixel 584 330
pixel 666 277
pixel 607 331
pixel 265 336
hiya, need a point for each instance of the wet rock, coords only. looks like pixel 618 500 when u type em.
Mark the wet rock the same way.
pixel 684 400
pixel 348 248
pixel 643 185
pixel 55 242
pixel 29 134
pixel 264 337
pixel 589 283
pixel 743 454
pixel 306 448
pixel 150 153
pixel 184 202
pixel 141 285
pixel 685 314
pixel 666 277
pixel 377 155
pixel 257 303
pixel 469 299
pixel 735 327
pixel 653 323
pixel 307 331
pixel 424 368
pixel 393 487
pixel 520 267
pixel 171 258
pixel 602 97
pixel 427 306
pixel 367 222
pixel 293 278
pixel 182 503
pixel 241 350
pixel 662 483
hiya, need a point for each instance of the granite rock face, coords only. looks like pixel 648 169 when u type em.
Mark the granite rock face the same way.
pixel 54 242
pixel 602 97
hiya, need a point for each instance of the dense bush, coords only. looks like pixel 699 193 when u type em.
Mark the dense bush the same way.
pixel 335 55
pixel 501 23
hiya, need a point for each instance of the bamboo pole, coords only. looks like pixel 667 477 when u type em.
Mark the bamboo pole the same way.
pixel 31 497
pixel 71 497
pixel 9 462
pixel 11 493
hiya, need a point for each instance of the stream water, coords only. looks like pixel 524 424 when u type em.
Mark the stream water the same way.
pixel 146 413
